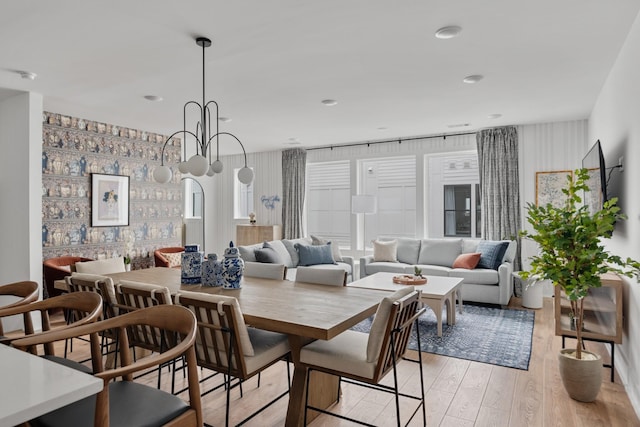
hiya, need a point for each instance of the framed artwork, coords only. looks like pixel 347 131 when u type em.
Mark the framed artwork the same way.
pixel 549 187
pixel 109 200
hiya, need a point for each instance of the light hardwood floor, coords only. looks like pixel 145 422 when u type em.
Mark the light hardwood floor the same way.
pixel 458 392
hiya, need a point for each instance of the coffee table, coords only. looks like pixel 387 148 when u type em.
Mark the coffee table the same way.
pixel 437 292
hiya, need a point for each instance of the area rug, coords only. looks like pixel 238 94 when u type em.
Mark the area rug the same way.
pixel 482 334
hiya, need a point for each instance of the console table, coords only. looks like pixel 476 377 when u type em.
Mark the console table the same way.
pixel 248 234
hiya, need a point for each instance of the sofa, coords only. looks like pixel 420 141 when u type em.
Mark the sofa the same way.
pixel 488 280
pixel 312 252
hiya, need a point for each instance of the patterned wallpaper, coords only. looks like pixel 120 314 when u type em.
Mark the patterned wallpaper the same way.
pixel 72 149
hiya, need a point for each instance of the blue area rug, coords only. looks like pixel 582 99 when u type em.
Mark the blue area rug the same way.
pixel 482 334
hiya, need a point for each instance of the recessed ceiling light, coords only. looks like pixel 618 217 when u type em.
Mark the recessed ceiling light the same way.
pixel 292 141
pixel 494 116
pixel 225 119
pixel 473 79
pixel 458 125
pixel 381 128
pixel 153 98
pixel 448 32
pixel 329 102
pixel 27 75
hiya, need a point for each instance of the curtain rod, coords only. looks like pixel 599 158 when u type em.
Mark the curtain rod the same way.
pixel 388 141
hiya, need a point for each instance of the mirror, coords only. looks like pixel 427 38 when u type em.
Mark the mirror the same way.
pixel 193 213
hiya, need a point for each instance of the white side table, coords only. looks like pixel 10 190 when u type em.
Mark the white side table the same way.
pixel 531 291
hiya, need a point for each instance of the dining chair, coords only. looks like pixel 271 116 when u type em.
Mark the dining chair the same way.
pixel 322 276
pixel 132 296
pixel 122 401
pixel 87 307
pixel 57 268
pixel 265 270
pixel 23 292
pixel 226 345
pixel 365 359
pixel 101 266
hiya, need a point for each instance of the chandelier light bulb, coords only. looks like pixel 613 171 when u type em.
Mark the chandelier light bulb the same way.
pixel 162 174
pixel 217 166
pixel 210 171
pixel 198 165
pixel 183 167
pixel 245 175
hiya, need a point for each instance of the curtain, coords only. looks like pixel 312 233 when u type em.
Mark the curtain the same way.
pixel 294 163
pixel 498 169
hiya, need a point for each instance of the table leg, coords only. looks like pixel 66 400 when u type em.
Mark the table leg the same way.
pixel 451 309
pixel 436 306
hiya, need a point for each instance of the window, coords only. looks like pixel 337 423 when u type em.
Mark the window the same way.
pixel 458 213
pixel 393 181
pixel 192 198
pixel 243 197
pixel 329 201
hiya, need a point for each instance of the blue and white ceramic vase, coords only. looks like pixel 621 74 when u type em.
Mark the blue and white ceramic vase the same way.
pixel 232 268
pixel 212 271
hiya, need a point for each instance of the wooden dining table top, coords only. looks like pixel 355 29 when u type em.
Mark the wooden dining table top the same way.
pixel 294 308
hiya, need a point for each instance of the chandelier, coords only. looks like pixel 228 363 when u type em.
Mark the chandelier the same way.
pixel 201 163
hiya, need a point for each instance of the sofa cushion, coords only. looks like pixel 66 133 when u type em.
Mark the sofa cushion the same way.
pixel 339 265
pixel 385 251
pixel 267 254
pixel 477 276
pixel 430 270
pixel 470 245
pixel 247 253
pixel 314 255
pixel 439 251
pixel 408 250
pixel 335 249
pixel 282 251
pixel 290 245
pixel 468 261
pixel 492 253
pixel 389 267
pixel 510 253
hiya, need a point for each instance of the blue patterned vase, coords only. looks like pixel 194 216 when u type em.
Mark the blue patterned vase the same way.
pixel 232 268
pixel 191 271
pixel 212 271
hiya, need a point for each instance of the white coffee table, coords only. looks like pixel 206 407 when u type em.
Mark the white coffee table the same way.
pixel 437 292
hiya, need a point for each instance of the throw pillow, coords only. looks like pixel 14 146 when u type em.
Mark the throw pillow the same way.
pixel 335 249
pixel 314 255
pixel 174 258
pixel 492 253
pixel 468 261
pixel 385 251
pixel 267 254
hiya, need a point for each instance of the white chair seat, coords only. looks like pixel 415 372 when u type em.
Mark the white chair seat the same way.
pixel 346 352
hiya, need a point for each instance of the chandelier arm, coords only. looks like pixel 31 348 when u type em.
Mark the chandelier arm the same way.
pixel 184 125
pixel 169 139
pixel 239 142
pixel 217 125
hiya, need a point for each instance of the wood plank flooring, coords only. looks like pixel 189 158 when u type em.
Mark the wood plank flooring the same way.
pixel 458 392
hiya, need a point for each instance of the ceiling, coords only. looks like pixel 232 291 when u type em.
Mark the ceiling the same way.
pixel 273 62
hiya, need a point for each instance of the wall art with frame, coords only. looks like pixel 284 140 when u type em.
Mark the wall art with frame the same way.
pixel 109 200
pixel 549 187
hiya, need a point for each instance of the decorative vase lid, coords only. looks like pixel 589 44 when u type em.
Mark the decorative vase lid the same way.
pixel 231 251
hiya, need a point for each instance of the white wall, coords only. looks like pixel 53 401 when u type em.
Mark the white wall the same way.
pixel 615 121
pixel 21 191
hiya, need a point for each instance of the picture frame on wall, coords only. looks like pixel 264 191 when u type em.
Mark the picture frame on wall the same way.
pixel 109 200
pixel 549 187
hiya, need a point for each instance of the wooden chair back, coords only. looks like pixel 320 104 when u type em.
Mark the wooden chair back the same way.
pixel 171 320
pixel 25 292
pixel 85 306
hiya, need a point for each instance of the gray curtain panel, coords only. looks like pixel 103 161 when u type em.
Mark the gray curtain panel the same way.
pixel 294 163
pixel 499 187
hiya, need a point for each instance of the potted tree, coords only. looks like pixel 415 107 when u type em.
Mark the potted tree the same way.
pixel 571 255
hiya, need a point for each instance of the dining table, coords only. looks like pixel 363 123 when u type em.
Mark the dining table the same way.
pixel 303 311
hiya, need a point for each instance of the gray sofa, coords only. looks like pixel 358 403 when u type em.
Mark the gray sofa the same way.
pixel 288 254
pixel 436 258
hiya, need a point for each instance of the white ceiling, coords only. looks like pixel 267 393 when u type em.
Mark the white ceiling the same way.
pixel 272 62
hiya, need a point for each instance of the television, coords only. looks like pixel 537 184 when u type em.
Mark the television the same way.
pixel 593 161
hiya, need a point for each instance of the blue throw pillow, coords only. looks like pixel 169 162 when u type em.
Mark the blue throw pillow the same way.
pixel 267 254
pixel 314 254
pixel 492 253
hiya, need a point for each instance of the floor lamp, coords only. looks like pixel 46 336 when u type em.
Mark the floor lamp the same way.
pixel 364 204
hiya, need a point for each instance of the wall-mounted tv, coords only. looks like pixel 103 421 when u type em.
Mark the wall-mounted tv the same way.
pixel 593 161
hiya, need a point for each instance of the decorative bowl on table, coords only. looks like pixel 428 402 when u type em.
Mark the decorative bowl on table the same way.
pixel 407 279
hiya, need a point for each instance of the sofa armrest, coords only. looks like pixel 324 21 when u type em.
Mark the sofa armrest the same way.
pixel 505 282
pixel 348 260
pixel 363 265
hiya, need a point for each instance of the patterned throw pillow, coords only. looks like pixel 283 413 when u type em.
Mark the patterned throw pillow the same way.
pixel 174 258
pixel 492 253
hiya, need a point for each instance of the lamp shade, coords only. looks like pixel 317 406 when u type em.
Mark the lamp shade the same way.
pixel 364 203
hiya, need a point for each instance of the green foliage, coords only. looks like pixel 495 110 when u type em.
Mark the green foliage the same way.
pixel 571 254
pixel 417 271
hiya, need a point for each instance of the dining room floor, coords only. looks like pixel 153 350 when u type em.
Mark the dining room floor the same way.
pixel 458 392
